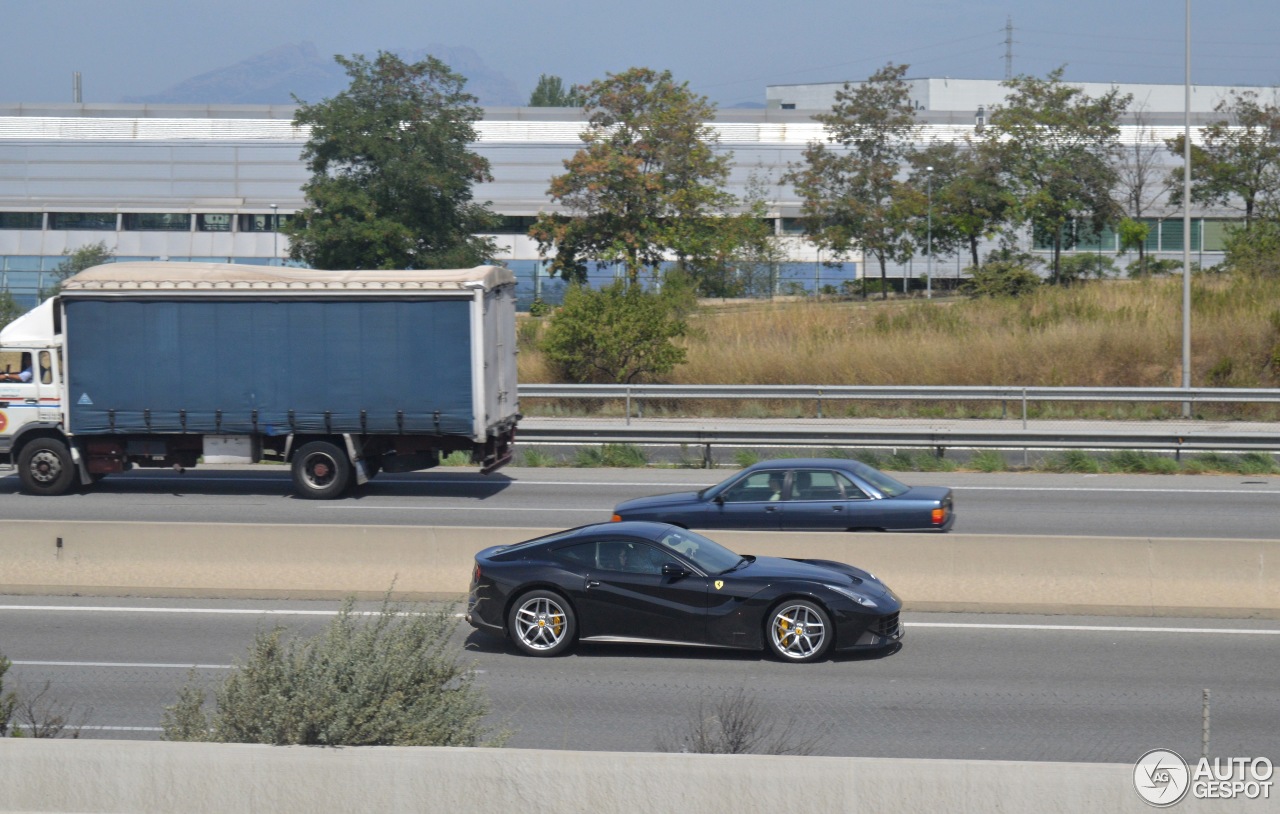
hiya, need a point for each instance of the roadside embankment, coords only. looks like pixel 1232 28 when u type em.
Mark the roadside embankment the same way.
pixel 110 776
pixel 932 572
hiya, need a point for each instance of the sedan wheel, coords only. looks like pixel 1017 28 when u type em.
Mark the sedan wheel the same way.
pixel 799 631
pixel 541 623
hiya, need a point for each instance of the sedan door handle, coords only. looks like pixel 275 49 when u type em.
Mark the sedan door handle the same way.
pixel 592 583
pixel 837 508
pixel 770 508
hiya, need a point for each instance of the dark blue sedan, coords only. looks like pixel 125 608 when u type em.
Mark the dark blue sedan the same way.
pixel 809 494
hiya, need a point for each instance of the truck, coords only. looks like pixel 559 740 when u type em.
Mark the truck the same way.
pixel 339 374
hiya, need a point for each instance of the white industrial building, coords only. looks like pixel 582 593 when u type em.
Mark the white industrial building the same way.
pixel 207 183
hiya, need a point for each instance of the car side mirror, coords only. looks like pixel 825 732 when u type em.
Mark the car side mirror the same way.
pixel 672 570
pixel 718 500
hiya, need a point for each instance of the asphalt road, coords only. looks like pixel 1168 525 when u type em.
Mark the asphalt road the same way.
pixel 1199 506
pixel 962 686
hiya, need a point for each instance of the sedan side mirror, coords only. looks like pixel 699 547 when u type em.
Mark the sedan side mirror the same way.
pixel 718 500
pixel 672 570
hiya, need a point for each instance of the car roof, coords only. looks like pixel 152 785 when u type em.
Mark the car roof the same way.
pixel 805 463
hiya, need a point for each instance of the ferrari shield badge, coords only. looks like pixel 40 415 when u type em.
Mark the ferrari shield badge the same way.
pixel 719 584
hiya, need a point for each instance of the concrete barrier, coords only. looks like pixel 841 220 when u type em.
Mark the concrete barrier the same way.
pixel 952 572
pixel 141 777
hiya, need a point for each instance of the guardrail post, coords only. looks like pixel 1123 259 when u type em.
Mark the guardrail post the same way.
pixel 628 406
pixel 1024 408
pixel 819 403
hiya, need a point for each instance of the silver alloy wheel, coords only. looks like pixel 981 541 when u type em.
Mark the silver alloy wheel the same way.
pixel 45 466
pixel 798 631
pixel 541 623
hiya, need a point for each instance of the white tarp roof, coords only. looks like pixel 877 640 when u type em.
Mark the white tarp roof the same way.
pixel 133 277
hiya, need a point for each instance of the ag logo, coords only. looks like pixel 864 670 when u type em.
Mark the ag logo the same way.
pixel 1161 777
pixel 719 584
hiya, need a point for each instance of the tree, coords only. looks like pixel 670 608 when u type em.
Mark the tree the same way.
pixel 392 171
pixel 94 254
pixel 970 200
pixel 1140 184
pixel 551 92
pixel 646 184
pixel 851 196
pixel 621 334
pixel 1058 148
pixel 9 308
pixel 1237 163
pixel 390 679
pixel 744 255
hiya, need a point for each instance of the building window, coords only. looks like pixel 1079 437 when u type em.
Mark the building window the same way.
pixel 85 221
pixel 793 226
pixel 213 223
pixel 156 222
pixel 21 220
pixel 514 225
pixel 263 223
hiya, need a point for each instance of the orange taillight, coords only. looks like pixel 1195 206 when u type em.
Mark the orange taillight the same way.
pixel 617 518
pixel 939 516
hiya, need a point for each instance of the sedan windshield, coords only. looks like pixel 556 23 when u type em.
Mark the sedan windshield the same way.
pixel 887 485
pixel 708 555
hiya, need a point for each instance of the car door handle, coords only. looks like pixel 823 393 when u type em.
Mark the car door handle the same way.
pixel 592 583
pixel 837 508
pixel 770 508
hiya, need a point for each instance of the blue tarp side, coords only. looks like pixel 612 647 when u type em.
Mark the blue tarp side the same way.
pixel 137 365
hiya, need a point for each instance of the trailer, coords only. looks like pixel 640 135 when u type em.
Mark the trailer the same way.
pixel 340 374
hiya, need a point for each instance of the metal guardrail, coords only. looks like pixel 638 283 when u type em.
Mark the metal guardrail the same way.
pixel 1173 437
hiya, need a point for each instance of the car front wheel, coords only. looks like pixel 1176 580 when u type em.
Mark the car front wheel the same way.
pixel 799 631
pixel 541 623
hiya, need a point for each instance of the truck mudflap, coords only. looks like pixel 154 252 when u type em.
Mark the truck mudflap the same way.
pixel 499 449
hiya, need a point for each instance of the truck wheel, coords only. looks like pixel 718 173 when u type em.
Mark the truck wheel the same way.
pixel 320 471
pixel 45 467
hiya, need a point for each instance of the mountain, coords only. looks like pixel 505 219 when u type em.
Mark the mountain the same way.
pixel 271 77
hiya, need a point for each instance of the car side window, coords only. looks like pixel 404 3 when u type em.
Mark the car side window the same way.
pixel 752 488
pixel 580 554
pixel 817 484
pixel 851 490
pixel 631 557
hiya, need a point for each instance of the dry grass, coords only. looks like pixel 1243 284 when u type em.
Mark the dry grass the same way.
pixel 1109 334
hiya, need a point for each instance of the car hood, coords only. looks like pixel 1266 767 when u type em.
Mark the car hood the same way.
pixel 778 568
pixel 656 502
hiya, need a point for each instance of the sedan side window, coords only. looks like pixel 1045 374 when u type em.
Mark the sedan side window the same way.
pixel 816 484
pixel 752 488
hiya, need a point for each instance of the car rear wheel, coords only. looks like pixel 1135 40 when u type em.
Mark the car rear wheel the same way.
pixel 541 623
pixel 799 631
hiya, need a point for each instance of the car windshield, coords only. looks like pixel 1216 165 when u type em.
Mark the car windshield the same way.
pixel 887 485
pixel 708 555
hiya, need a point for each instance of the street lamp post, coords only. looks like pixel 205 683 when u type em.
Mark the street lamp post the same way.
pixel 928 275
pixel 275 234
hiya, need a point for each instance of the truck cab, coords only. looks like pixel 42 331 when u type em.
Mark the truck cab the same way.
pixel 31 397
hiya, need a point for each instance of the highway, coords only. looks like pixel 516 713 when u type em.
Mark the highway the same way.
pixel 963 686
pixel 1196 506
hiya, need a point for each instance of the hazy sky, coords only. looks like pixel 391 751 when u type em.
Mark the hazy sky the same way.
pixel 728 51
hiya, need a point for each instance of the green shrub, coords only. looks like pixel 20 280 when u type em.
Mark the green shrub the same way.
pixel 746 457
pixel 988 460
pixel 456 458
pixel 1258 463
pixel 611 455
pixel 536 458
pixel 1073 460
pixel 390 679
pixel 1000 278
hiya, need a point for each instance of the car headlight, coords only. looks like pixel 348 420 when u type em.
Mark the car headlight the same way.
pixel 864 601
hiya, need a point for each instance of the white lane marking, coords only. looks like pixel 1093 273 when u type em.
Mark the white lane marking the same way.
pixel 240 611
pixel 957 625
pixel 152 665
pixel 1096 628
